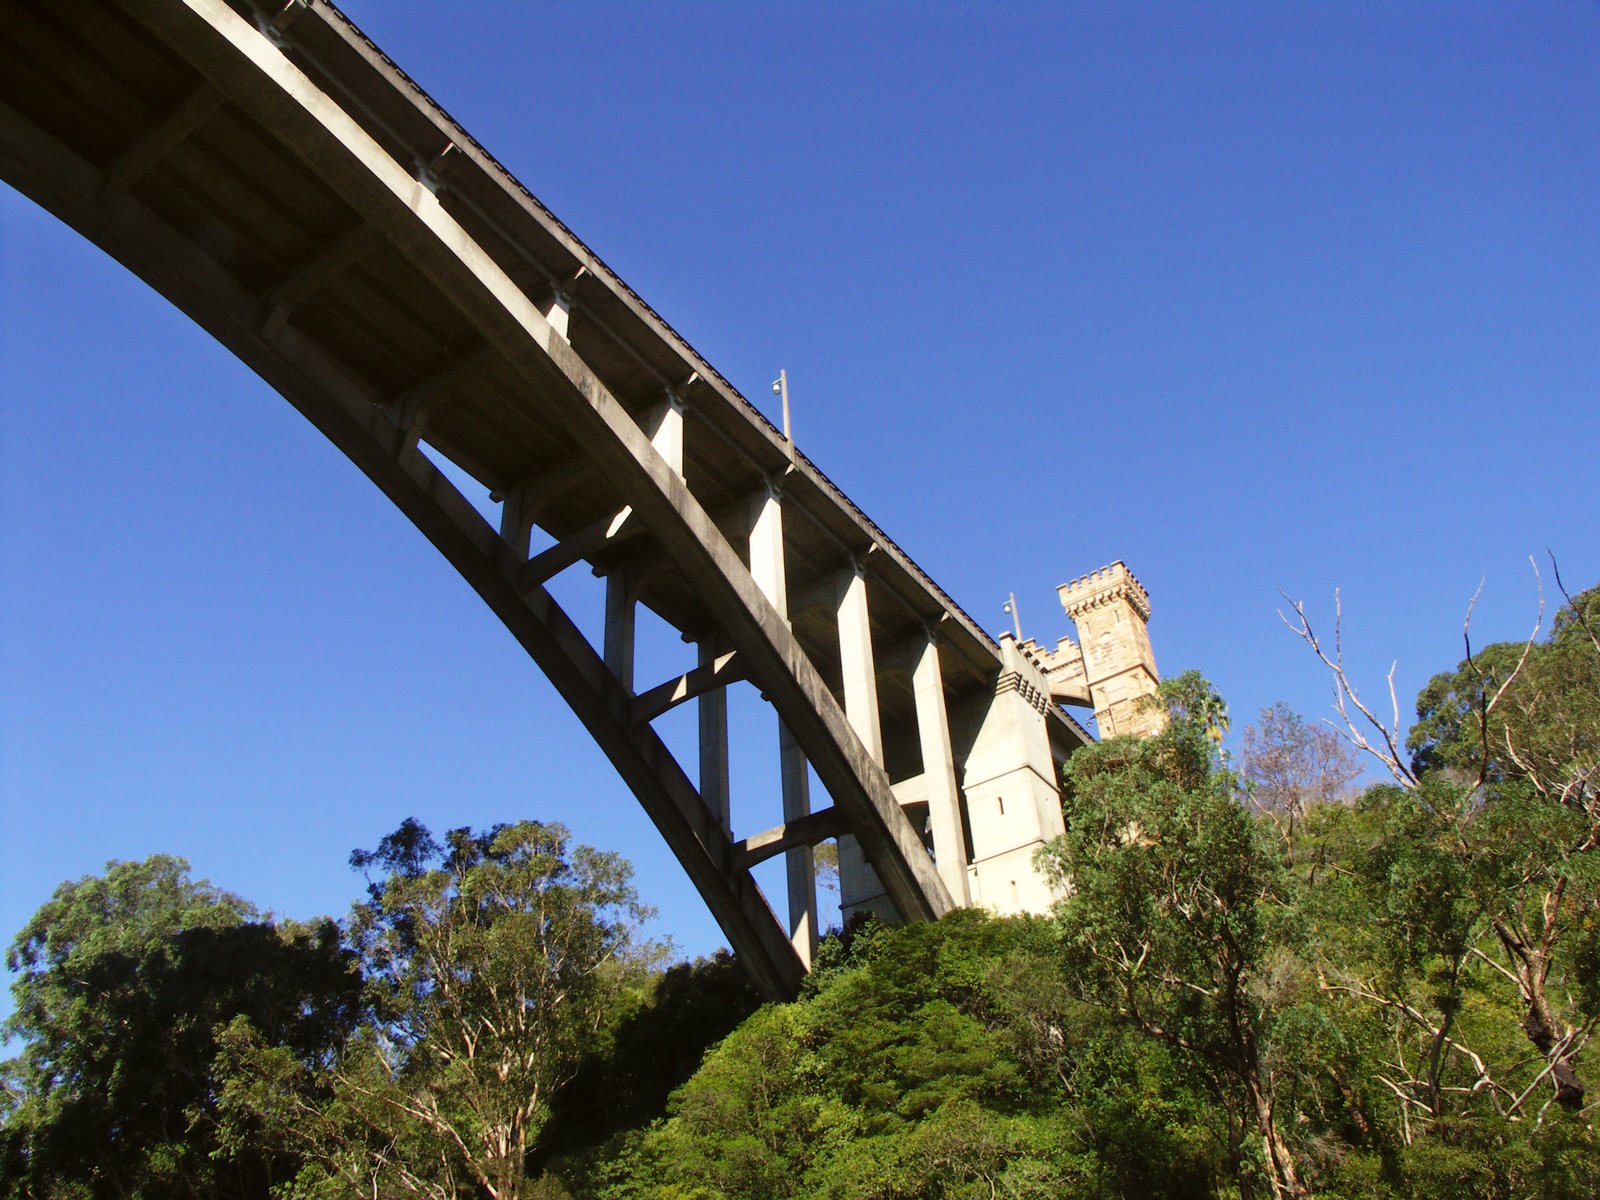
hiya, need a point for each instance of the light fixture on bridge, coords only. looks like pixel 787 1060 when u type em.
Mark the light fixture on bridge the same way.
pixel 780 387
pixel 1016 617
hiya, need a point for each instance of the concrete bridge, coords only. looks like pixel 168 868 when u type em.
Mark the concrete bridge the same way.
pixel 274 175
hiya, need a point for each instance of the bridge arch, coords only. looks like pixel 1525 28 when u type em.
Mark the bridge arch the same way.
pixel 282 183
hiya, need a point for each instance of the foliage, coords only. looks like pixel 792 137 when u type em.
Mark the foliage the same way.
pixel 1174 919
pixel 653 1049
pixel 887 1079
pixel 1520 710
pixel 124 981
pixel 1246 990
pixel 493 962
pixel 939 1060
pixel 1499 830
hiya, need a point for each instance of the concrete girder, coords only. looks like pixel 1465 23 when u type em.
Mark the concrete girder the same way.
pixel 266 83
pixel 160 141
pixel 253 74
pixel 354 420
pixel 332 259
pixel 410 408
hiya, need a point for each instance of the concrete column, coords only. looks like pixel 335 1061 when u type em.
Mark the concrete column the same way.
pixel 664 426
pixel 713 711
pixel 559 312
pixel 859 887
pixel 860 671
pixel 766 549
pixel 767 568
pixel 801 867
pixel 516 522
pixel 939 769
pixel 620 608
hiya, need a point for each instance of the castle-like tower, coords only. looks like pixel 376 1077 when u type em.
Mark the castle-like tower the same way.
pixel 1111 610
pixel 1011 752
pixel 1012 779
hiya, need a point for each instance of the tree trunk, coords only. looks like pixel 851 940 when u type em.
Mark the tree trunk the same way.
pixel 1540 1024
pixel 1281 1173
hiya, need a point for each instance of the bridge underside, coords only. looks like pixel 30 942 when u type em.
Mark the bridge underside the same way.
pixel 282 183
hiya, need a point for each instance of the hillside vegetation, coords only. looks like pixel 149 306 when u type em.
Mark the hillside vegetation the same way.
pixel 1263 981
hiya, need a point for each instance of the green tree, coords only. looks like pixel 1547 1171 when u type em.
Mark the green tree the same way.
pixel 1452 712
pixel 654 1048
pixel 124 981
pixel 1509 743
pixel 918 1063
pixel 494 961
pixel 1174 910
pixel 1525 710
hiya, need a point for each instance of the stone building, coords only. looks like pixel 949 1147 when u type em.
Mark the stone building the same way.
pixel 1012 752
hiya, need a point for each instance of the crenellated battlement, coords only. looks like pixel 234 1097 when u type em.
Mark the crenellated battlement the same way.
pixel 1105 586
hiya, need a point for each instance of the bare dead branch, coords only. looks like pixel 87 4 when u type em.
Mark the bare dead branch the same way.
pixel 1487 703
pixel 1578 614
pixel 1346 696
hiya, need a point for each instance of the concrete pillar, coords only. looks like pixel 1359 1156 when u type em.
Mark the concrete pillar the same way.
pixel 663 424
pixel 859 888
pixel 559 313
pixel 713 711
pixel 766 549
pixel 859 670
pixel 801 867
pixel 939 770
pixel 619 641
pixel 516 522
pixel 767 568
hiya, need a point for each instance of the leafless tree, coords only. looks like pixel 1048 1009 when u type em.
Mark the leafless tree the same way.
pixel 1292 766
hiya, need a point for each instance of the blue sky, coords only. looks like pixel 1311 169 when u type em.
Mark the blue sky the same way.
pixel 1255 297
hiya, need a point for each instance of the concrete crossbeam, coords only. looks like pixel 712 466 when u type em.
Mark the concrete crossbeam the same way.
pixel 605 533
pixel 161 141
pixel 718 673
pixel 808 830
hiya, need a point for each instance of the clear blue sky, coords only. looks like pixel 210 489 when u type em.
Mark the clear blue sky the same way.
pixel 1254 296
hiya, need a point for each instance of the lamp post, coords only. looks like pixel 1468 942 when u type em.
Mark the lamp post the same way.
pixel 780 387
pixel 1016 618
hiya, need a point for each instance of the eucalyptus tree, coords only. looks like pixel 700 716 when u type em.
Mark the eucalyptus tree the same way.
pixel 1175 913
pixel 494 961
pixel 124 980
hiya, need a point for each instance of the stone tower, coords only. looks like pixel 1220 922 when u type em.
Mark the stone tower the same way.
pixel 1012 751
pixel 1111 611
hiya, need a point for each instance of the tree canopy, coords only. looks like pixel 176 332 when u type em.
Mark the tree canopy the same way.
pixel 494 962
pixel 125 980
pixel 1258 983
